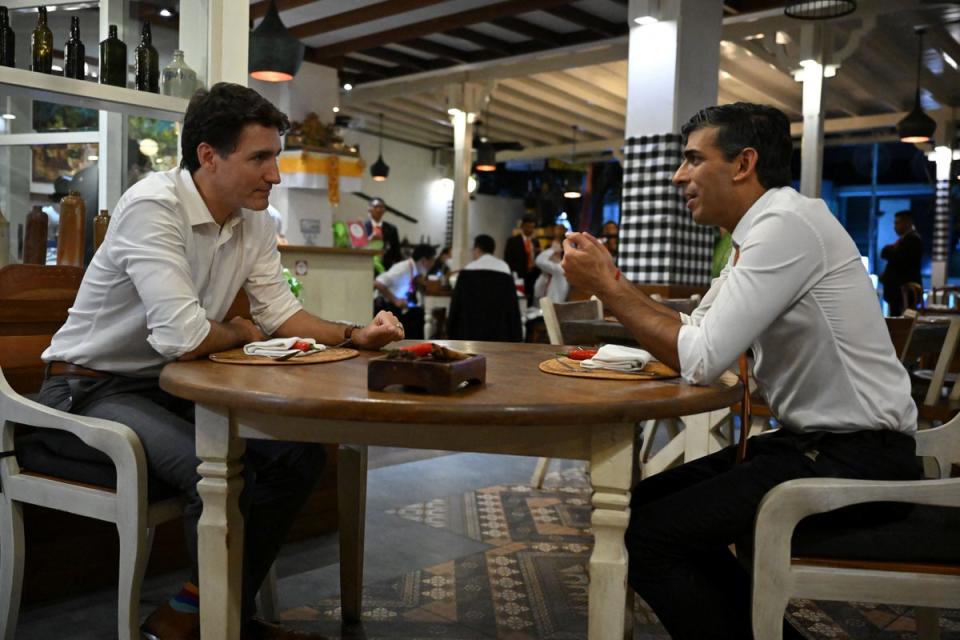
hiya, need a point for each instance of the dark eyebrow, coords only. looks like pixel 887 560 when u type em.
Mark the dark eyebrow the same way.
pixel 690 153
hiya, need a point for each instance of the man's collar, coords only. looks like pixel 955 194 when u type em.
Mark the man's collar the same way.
pixel 739 233
pixel 197 210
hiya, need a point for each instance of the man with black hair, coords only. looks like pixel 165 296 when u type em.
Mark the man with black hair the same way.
pixel 181 244
pixel 483 258
pixel 903 261
pixel 521 252
pixel 397 289
pixel 795 293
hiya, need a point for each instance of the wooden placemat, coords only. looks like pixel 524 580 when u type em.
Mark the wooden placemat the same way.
pixel 566 367
pixel 237 356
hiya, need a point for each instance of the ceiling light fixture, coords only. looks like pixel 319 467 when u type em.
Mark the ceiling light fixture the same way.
pixel 572 189
pixel 275 54
pixel 379 169
pixel 917 126
pixel 166 13
pixel 9 114
pixel 819 9
pixel 486 152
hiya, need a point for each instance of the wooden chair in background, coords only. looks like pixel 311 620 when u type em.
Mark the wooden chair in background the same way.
pixel 912 293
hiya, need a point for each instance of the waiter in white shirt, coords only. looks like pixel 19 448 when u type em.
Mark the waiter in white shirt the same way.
pixel 796 294
pixel 180 246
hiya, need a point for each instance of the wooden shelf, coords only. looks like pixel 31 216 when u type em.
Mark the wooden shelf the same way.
pixel 91 95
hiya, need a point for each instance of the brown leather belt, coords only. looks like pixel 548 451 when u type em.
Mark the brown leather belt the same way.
pixel 58 368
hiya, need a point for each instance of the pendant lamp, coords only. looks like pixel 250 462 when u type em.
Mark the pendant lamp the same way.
pixel 275 54
pixel 486 152
pixel 917 126
pixel 572 189
pixel 379 169
pixel 819 9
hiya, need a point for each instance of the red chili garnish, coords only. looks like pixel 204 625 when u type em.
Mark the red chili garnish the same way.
pixel 420 350
pixel 582 354
pixel 302 345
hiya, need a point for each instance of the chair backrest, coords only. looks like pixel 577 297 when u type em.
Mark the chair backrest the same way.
pixel 555 313
pixel 899 328
pixel 484 306
pixel 942 443
pixel 925 339
pixel 912 293
pixel 34 301
pixel 682 305
pixel 948 296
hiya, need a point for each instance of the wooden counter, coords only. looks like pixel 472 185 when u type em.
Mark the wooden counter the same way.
pixel 338 283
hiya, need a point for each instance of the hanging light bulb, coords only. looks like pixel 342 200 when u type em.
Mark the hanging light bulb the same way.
pixel 917 126
pixel 275 54
pixel 572 188
pixel 379 169
pixel 9 114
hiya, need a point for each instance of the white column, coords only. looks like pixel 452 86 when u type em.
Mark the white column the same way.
pixel 214 39
pixel 943 156
pixel 112 152
pixel 15 171
pixel 811 143
pixel 673 63
pixel 463 103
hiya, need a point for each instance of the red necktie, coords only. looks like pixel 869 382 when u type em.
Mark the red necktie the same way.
pixel 377 231
pixel 745 414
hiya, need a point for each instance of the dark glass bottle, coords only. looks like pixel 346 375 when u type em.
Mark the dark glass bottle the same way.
pixel 41 44
pixel 7 40
pixel 148 62
pixel 113 59
pixel 74 52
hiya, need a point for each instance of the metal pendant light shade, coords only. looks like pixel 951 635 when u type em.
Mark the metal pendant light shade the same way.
pixel 275 54
pixel 917 126
pixel 571 187
pixel 486 157
pixel 379 169
pixel 819 9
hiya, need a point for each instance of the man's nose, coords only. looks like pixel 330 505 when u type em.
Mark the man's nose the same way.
pixel 273 173
pixel 679 176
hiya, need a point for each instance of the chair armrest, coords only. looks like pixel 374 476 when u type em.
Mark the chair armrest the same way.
pixel 118 441
pixel 942 443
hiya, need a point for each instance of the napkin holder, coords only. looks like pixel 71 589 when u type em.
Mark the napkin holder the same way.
pixel 433 376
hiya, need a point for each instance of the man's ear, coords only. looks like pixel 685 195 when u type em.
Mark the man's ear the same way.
pixel 746 164
pixel 206 155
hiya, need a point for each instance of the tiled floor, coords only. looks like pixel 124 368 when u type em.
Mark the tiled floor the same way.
pixel 460 547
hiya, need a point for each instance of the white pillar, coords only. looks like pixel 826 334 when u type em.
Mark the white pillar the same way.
pixel 673 63
pixel 943 156
pixel 15 163
pixel 811 142
pixel 214 39
pixel 463 102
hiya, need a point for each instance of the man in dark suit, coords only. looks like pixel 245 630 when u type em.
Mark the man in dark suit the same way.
pixel 903 261
pixel 377 229
pixel 520 253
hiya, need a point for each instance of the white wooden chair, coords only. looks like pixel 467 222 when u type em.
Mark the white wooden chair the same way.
pixel 927 584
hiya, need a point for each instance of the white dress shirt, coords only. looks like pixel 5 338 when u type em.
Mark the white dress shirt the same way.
pixel 800 297
pixel 552 281
pixel 166 268
pixel 399 278
pixel 488 262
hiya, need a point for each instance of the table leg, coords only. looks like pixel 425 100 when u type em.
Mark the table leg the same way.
pixel 611 464
pixel 220 531
pixel 351 508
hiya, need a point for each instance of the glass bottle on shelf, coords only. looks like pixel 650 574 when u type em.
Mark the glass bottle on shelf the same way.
pixel 113 59
pixel 74 53
pixel 41 44
pixel 7 40
pixel 148 62
pixel 100 224
pixel 70 235
pixel 35 237
pixel 178 79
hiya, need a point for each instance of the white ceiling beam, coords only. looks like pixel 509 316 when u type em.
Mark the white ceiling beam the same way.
pixel 514 67
pixel 598 76
pixel 496 128
pixel 570 102
pixel 554 114
pixel 575 86
pixel 781 98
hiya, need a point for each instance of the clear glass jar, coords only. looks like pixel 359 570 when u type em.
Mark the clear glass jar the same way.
pixel 178 79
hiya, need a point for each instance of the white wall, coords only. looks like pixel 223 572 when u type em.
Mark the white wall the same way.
pixel 495 216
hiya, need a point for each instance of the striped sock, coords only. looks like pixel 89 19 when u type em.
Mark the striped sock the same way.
pixel 188 600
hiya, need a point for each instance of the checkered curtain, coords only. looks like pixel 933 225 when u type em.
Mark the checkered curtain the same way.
pixel 941 222
pixel 659 242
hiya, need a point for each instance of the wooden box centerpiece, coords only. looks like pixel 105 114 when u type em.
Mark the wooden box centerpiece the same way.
pixel 427 366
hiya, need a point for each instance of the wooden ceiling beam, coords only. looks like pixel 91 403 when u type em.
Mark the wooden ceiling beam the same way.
pixel 589 92
pixel 394 120
pixel 530 123
pixel 497 131
pixel 358 16
pixel 554 113
pixel 397 58
pixel 436 25
pixel 532 31
pixel 443 51
pixel 602 79
pixel 259 9
pixel 573 102
pixel 600 26
pixel 487 42
pixel 368 69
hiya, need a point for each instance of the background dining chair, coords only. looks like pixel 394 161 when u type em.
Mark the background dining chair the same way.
pixel 912 293
pixel 484 306
pixel 864 556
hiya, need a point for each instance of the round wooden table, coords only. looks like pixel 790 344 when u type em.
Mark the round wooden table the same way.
pixel 519 410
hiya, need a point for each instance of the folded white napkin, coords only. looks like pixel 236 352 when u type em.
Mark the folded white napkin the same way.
pixel 279 347
pixel 618 358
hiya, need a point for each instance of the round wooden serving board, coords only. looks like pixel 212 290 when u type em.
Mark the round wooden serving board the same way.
pixel 237 356
pixel 566 367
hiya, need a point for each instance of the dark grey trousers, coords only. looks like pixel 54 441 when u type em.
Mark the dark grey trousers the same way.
pixel 278 476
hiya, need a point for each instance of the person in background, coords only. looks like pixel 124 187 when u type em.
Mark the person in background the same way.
pixel 520 254
pixel 379 229
pixel 397 289
pixel 796 294
pixel 442 265
pixel 277 218
pixel 483 258
pixel 903 261
pixel 182 244
pixel 611 238
pixel 552 282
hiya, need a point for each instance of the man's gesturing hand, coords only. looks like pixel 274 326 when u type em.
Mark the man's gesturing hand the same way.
pixel 587 264
pixel 383 329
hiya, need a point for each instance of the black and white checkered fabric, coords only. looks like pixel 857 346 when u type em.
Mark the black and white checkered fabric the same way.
pixel 659 242
pixel 941 222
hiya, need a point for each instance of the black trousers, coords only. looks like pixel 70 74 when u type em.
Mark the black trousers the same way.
pixel 683 521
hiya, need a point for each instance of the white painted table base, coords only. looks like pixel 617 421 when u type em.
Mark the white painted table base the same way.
pixel 221 437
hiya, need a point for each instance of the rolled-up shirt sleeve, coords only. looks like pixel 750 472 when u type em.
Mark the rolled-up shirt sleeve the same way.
pixel 271 302
pixel 149 246
pixel 780 259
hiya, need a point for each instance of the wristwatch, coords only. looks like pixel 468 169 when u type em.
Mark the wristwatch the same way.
pixel 348 334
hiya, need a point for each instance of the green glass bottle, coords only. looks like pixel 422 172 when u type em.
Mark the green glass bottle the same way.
pixel 7 40
pixel 148 62
pixel 113 59
pixel 74 53
pixel 41 44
